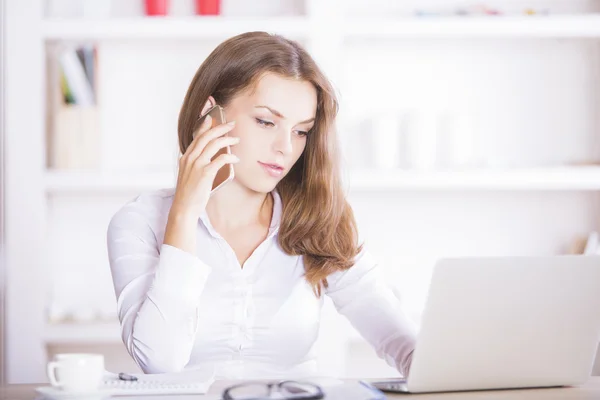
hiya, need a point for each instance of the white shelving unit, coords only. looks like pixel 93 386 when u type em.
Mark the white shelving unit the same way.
pixel 325 30
pixel 93 181
pixel 585 178
pixel 83 333
pixel 171 28
pixel 533 179
pixel 570 26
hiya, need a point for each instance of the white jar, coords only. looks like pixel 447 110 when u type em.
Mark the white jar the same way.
pixel 385 138
pixel 421 139
pixel 456 140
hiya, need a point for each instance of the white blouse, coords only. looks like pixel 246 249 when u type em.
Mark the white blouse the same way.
pixel 183 311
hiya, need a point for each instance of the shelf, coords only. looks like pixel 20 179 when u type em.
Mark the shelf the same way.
pixel 78 333
pixel 171 27
pixel 559 26
pixel 91 181
pixel 555 26
pixel 584 178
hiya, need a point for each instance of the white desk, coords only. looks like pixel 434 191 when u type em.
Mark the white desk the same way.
pixel 589 391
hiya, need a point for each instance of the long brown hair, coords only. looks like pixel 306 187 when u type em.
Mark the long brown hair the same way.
pixel 317 221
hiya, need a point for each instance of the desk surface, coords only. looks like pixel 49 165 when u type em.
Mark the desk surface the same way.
pixel 588 391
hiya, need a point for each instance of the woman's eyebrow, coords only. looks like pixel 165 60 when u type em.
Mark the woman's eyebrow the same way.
pixel 278 114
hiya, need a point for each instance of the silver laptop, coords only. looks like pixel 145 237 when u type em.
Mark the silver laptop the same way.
pixel 510 322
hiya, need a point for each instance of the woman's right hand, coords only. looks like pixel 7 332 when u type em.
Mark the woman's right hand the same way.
pixel 196 170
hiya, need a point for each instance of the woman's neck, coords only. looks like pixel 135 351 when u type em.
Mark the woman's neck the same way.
pixel 234 206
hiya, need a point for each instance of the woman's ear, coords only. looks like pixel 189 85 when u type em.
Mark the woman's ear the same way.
pixel 210 102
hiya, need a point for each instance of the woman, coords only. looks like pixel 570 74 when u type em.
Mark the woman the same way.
pixel 234 281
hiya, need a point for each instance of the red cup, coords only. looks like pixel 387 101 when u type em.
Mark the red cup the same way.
pixel 157 7
pixel 208 7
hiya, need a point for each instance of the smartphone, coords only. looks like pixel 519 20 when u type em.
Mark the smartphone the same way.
pixel 225 174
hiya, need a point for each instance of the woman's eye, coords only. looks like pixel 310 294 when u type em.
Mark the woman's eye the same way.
pixel 264 123
pixel 270 124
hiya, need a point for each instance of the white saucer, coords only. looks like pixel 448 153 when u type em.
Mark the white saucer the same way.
pixel 54 393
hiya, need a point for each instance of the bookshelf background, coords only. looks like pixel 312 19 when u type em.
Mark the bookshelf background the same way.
pixel 527 84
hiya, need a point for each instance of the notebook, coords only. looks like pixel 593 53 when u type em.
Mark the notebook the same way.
pixel 184 382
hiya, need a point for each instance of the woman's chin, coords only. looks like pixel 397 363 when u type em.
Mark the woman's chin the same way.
pixel 263 185
pixel 257 180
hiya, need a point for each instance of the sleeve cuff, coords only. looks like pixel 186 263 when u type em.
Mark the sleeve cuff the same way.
pixel 180 274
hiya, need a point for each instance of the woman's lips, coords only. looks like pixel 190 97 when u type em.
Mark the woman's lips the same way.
pixel 273 170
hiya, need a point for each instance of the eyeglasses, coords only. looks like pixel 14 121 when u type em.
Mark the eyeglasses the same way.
pixel 285 390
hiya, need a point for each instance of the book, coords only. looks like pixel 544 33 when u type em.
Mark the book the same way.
pixel 76 79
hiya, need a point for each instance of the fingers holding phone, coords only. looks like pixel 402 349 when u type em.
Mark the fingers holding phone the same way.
pixel 206 165
pixel 205 137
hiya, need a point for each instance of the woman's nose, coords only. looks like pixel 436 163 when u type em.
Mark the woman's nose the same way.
pixel 283 142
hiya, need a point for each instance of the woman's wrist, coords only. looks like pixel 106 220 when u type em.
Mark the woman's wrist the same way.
pixel 181 230
pixel 183 212
pixel 182 215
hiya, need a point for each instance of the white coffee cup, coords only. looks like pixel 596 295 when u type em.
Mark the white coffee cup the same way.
pixel 76 372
